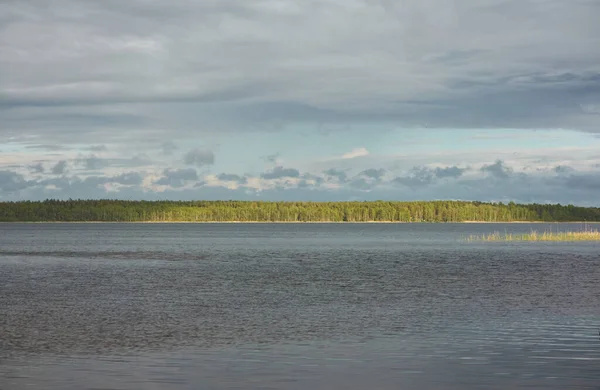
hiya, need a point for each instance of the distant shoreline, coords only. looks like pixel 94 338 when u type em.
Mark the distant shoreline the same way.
pixel 300 222
pixel 111 211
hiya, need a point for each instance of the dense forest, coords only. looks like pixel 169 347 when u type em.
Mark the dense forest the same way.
pixel 247 211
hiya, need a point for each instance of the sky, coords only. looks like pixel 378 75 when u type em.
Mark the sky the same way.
pixel 329 100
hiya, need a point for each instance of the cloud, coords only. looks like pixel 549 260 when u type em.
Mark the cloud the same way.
pixel 373 173
pixel 139 160
pixel 37 168
pixel 169 147
pixel 232 177
pixel 560 169
pixel 498 170
pixel 368 179
pixel 60 168
pixel 177 177
pixel 272 158
pixel 128 179
pixel 280 172
pixel 308 180
pixel 360 152
pixel 97 148
pixel 581 181
pixel 361 183
pixel 531 64
pixel 95 182
pixel 199 157
pixel 87 89
pixel 47 147
pixel 449 172
pixel 93 163
pixel 422 176
pixel 341 176
pixel 418 177
pixel 425 183
pixel 11 182
pixel 91 187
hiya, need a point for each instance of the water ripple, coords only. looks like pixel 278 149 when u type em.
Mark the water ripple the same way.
pixel 163 308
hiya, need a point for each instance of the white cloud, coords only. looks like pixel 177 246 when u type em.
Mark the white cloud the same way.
pixel 359 152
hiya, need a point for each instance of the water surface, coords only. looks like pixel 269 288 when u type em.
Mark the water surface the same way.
pixel 295 306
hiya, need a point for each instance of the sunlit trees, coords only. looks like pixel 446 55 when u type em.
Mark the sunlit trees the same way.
pixel 229 211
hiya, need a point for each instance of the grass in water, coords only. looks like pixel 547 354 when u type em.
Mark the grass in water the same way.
pixel 585 235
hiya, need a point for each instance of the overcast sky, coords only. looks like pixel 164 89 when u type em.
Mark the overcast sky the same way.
pixel 491 100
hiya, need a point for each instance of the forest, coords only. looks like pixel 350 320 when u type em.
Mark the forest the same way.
pixel 250 211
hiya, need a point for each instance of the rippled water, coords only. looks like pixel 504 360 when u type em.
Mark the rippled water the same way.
pixel 294 306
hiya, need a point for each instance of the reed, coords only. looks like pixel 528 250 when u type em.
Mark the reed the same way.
pixel 584 235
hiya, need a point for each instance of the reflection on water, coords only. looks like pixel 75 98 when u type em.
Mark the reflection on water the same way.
pixel 294 306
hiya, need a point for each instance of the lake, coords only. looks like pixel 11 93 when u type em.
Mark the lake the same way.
pixel 295 306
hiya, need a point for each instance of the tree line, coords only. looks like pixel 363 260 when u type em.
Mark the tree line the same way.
pixel 248 211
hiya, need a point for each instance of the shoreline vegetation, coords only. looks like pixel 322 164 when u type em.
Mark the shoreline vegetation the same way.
pixel 583 235
pixel 311 222
pixel 105 210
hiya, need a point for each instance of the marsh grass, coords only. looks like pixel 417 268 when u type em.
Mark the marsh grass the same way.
pixel 583 235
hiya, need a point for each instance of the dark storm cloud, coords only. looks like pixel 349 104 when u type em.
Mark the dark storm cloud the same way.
pixel 280 172
pixel 199 157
